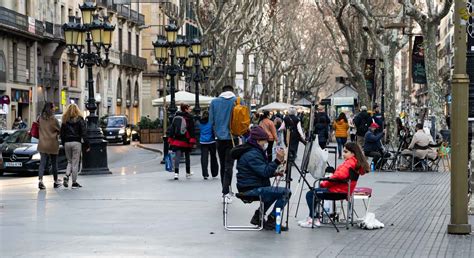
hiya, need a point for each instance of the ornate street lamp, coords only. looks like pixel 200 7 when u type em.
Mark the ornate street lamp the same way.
pixel 79 39
pixel 172 48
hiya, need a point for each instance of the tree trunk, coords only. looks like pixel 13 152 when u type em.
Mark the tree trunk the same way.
pixel 435 88
pixel 245 74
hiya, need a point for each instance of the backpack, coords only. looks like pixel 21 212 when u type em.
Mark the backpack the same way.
pixel 178 126
pixel 240 119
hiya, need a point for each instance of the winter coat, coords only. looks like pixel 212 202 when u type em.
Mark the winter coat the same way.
pixel 48 135
pixel 341 128
pixel 362 122
pixel 206 132
pixel 220 112
pixel 74 130
pixel 321 126
pixel 422 141
pixel 269 128
pixel 253 168
pixel 187 140
pixel 342 173
pixel 372 142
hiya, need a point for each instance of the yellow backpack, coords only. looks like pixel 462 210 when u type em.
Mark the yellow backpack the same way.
pixel 240 119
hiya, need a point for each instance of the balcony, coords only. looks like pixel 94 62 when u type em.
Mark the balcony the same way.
pixel 125 12
pixel 29 25
pixel 133 61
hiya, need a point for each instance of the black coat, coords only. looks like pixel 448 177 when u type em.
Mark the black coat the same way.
pixel 74 130
pixel 321 126
pixel 362 122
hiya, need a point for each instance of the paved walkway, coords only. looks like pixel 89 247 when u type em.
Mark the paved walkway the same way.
pixel 416 221
pixel 149 214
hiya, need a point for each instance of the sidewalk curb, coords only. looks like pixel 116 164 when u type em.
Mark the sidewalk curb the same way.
pixel 148 148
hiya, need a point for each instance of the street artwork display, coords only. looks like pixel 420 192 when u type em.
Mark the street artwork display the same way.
pixel 418 61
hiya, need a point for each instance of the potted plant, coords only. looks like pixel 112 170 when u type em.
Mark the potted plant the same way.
pixel 156 131
pixel 145 125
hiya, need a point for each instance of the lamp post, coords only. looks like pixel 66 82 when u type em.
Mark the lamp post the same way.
pixel 169 48
pixel 80 39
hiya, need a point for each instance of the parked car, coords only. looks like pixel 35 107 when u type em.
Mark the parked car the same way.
pixel 117 129
pixel 20 155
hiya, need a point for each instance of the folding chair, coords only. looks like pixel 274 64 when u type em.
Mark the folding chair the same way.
pixel 353 176
pixel 427 164
pixel 245 199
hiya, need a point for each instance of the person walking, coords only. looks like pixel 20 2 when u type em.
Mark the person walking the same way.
pixel 352 129
pixel 48 144
pixel 73 133
pixel 270 129
pixel 220 112
pixel 362 122
pixel 182 138
pixel 321 126
pixel 208 147
pixel 341 126
pixel 292 124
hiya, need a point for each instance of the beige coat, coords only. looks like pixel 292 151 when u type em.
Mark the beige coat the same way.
pixel 269 128
pixel 48 136
pixel 423 139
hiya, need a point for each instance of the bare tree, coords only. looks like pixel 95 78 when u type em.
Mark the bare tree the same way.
pixel 428 17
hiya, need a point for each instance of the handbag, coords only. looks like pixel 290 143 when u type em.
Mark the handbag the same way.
pixel 34 132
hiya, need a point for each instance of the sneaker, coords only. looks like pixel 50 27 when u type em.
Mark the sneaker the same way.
pixel 57 184
pixel 270 224
pixel 227 198
pixel 256 219
pixel 176 176
pixel 304 221
pixel 309 223
pixel 65 181
pixel 189 175
pixel 206 177
pixel 41 185
pixel 76 185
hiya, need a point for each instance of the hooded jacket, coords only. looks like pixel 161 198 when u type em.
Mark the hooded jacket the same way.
pixel 220 112
pixel 253 168
pixel 206 133
pixel 188 140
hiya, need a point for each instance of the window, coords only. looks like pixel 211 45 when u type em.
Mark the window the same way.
pixel 63 15
pixel 119 89
pixel 28 63
pixel 72 76
pixel 137 43
pixel 15 62
pixel 3 68
pixel 130 42
pixel 64 74
pixel 120 39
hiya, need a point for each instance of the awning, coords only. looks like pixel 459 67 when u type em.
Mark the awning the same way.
pixel 183 97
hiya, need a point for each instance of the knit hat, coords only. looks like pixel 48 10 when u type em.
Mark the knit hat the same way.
pixel 374 125
pixel 363 108
pixel 257 133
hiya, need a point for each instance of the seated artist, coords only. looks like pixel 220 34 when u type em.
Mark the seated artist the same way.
pixel 353 159
pixel 373 146
pixel 421 143
pixel 254 173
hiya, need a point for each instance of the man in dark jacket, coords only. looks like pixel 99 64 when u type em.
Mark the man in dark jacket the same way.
pixel 378 118
pixel 362 122
pixel 373 146
pixel 321 126
pixel 254 173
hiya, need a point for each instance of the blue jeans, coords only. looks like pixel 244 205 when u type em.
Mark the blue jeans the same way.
pixel 340 145
pixel 320 194
pixel 270 195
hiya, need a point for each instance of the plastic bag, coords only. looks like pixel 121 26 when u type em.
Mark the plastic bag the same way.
pixel 370 222
pixel 318 159
pixel 169 161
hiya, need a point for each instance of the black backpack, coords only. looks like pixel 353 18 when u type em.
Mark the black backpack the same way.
pixel 178 127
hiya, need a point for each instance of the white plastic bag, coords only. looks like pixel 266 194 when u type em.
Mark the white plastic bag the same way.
pixel 317 160
pixel 370 222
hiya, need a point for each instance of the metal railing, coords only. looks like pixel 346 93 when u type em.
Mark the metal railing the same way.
pixel 133 61
pixel 132 15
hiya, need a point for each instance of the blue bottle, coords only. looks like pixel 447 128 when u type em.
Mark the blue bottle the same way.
pixel 278 221
pixel 372 166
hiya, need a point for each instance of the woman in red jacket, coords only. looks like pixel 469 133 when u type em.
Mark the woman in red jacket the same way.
pixel 182 138
pixel 353 159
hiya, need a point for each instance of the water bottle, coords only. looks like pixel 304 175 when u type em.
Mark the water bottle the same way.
pixel 372 166
pixel 278 220
pixel 173 158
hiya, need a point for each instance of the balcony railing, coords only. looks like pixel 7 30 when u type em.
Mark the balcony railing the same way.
pixel 21 22
pixel 133 61
pixel 134 16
